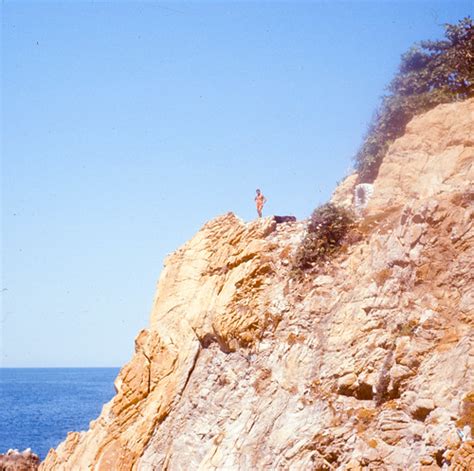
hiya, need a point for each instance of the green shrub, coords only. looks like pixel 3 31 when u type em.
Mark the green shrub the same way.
pixel 430 73
pixel 327 228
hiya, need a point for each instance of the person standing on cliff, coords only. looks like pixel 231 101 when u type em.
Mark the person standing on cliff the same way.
pixel 260 200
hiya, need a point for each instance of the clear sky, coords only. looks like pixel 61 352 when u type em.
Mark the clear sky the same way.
pixel 127 125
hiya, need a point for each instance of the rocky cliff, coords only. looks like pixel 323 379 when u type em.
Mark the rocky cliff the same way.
pixel 366 362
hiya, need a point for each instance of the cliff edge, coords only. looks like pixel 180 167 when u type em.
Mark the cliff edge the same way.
pixel 365 363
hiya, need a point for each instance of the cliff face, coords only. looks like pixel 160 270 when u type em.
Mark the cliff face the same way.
pixel 366 362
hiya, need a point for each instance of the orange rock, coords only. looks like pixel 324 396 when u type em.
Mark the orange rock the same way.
pixel 244 366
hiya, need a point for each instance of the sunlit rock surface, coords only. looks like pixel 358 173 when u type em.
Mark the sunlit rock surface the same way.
pixel 366 363
pixel 14 460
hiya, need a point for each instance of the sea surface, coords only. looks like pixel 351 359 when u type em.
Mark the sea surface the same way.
pixel 39 406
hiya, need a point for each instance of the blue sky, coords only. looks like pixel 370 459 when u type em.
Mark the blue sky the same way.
pixel 127 125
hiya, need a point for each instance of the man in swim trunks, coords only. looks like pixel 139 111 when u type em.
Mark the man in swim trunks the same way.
pixel 260 200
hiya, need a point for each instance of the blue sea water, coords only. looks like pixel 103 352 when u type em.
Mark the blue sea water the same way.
pixel 39 406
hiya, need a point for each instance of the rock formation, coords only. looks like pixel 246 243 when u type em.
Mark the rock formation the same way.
pixel 365 362
pixel 14 460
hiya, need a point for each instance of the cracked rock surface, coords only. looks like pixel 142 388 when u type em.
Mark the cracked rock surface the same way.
pixel 363 363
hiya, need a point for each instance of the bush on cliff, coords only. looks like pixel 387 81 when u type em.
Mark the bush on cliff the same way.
pixel 430 73
pixel 327 228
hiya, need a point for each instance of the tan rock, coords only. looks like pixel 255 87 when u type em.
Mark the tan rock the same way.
pixel 422 407
pixel 15 460
pixel 344 193
pixel 347 382
pixel 434 156
pixel 365 362
pixel 463 459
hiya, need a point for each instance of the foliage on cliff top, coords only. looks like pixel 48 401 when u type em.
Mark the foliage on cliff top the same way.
pixel 430 73
pixel 326 230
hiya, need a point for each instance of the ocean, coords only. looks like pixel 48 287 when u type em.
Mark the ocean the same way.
pixel 39 406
